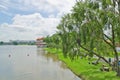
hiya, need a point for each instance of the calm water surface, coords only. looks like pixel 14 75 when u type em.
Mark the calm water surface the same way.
pixel 31 63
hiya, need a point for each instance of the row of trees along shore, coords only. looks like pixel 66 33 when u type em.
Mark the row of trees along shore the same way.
pixel 92 26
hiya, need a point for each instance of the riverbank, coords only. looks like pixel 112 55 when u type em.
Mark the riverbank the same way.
pixel 83 69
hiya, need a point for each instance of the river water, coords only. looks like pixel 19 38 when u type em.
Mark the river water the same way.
pixel 31 63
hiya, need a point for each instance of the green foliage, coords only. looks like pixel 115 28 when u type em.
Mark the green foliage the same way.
pixel 85 28
pixel 15 43
pixel 1 43
pixel 84 70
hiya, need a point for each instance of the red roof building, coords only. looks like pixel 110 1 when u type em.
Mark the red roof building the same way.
pixel 40 42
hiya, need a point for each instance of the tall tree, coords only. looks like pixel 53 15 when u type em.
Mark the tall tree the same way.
pixel 86 26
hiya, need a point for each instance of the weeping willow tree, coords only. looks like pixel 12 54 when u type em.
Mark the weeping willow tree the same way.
pixel 99 16
pixel 87 27
pixel 78 30
pixel 90 32
pixel 66 32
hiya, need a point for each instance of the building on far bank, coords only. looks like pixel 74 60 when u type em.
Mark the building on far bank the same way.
pixel 40 42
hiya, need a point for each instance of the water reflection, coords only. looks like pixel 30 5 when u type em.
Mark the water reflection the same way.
pixel 37 66
pixel 55 69
pixel 49 57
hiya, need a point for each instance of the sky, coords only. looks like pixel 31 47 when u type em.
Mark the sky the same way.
pixel 30 19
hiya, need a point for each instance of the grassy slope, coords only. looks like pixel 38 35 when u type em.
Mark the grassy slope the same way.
pixel 86 71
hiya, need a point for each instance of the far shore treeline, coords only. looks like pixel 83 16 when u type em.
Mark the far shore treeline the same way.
pixel 18 42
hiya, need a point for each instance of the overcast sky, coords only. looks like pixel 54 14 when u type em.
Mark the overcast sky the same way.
pixel 30 19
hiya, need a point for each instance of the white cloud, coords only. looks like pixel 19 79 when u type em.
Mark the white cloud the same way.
pixel 4 4
pixel 35 22
pixel 47 6
pixel 28 27
pixel 33 25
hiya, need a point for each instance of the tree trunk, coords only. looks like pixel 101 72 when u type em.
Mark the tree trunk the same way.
pixel 96 55
pixel 116 53
pixel 118 72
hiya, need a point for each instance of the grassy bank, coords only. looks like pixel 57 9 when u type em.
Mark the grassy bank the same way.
pixel 84 70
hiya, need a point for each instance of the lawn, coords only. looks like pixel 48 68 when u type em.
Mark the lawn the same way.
pixel 83 69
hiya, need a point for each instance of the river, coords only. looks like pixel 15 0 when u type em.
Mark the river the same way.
pixel 31 63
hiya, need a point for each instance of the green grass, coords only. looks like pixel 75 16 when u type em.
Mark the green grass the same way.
pixel 84 70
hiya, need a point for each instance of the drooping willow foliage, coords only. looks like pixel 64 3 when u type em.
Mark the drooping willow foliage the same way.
pixel 92 26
